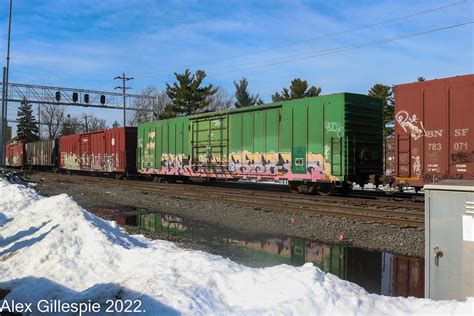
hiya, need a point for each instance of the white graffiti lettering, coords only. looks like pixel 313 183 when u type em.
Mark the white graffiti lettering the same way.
pixel 409 124
pixel 335 127
pixel 417 165
pixel 412 125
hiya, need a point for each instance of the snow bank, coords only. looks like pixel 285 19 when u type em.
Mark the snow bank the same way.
pixel 51 248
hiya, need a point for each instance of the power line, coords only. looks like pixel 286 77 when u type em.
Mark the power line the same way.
pixel 346 48
pixel 320 37
pixel 124 89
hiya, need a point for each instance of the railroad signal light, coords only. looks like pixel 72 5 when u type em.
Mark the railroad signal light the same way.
pixel 58 96
pixel 102 99
pixel 75 97
pixel 86 98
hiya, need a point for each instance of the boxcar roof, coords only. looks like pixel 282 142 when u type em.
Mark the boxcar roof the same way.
pixel 434 81
pixel 263 106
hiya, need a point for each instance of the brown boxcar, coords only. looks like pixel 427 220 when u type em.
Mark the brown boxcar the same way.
pixel 15 155
pixel 109 151
pixel 42 153
pixel 434 130
pixel 407 277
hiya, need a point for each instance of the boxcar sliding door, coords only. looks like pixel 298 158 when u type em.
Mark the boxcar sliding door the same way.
pixel 210 143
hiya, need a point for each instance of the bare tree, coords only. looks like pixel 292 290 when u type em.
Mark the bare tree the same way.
pixel 219 101
pixel 157 105
pixel 93 123
pixel 52 116
pixel 72 124
pixel 161 100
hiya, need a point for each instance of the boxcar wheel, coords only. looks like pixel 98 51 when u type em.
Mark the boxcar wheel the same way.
pixel 301 188
pixel 293 188
pixel 325 189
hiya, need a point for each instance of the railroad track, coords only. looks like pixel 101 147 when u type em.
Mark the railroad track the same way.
pixel 360 194
pixel 280 194
pixel 396 213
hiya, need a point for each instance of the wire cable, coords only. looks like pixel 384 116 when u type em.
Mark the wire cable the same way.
pixel 346 48
pixel 319 37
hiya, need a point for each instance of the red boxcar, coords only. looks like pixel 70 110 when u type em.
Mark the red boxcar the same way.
pixel 126 219
pixel 109 151
pixel 434 130
pixel 15 155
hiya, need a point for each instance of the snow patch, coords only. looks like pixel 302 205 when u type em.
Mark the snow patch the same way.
pixel 51 248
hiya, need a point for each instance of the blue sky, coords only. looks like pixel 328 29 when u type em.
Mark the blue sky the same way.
pixel 86 43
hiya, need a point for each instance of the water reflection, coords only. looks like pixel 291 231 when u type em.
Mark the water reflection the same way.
pixel 377 272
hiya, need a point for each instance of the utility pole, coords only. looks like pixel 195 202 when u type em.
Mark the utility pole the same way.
pixel 3 120
pixel 123 88
pixel 39 119
pixel 3 125
pixel 85 120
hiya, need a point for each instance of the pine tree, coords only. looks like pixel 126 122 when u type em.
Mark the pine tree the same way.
pixel 385 94
pixel 27 130
pixel 421 78
pixel 186 95
pixel 243 96
pixel 298 89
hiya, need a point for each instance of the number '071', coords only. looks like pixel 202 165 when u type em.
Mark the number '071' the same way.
pixel 460 146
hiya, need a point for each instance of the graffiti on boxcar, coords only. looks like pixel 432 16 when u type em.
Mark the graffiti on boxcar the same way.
pixel 269 164
pixel 260 163
pixel 110 163
pixel 106 163
pixel 417 165
pixel 70 161
pixel 16 160
pixel 151 140
pixel 410 124
pixel 273 164
pixel 462 157
pixel 335 127
pixel 327 151
pixel 435 178
pixel 317 164
pixel 174 160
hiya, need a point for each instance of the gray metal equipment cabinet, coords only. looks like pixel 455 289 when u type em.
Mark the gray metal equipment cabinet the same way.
pixel 449 239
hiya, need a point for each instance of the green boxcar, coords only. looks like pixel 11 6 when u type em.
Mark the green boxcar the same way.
pixel 328 139
pixel 161 223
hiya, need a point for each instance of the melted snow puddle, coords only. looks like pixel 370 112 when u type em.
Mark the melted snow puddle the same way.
pixel 377 272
